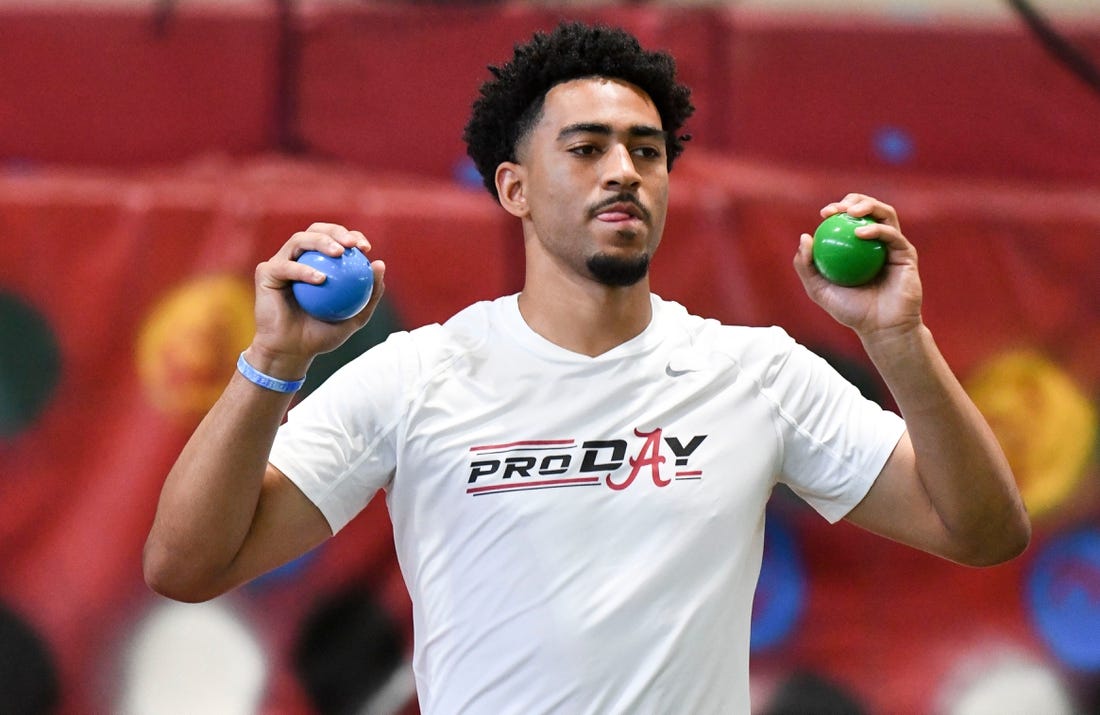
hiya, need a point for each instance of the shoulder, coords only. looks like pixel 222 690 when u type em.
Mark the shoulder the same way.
pixel 465 332
pixel 749 347
pixel 423 350
pixel 395 370
pixel 471 325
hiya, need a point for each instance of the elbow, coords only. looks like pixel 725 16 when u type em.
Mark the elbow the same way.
pixel 1006 543
pixel 167 577
pixel 1015 536
pixel 1020 539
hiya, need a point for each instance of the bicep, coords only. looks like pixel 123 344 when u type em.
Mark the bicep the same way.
pixel 286 525
pixel 898 507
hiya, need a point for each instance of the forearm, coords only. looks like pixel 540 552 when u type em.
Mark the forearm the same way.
pixel 958 460
pixel 224 516
pixel 209 500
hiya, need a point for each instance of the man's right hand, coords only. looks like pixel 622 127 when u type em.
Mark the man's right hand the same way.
pixel 225 514
pixel 287 338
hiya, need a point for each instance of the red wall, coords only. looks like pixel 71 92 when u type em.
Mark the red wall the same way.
pixel 139 164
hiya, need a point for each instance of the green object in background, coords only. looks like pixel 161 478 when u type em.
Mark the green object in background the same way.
pixel 844 258
pixel 383 322
pixel 30 364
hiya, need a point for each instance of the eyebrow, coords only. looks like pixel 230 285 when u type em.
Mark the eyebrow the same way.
pixel 636 130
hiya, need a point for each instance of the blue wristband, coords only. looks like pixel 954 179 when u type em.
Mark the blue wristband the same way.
pixel 267 381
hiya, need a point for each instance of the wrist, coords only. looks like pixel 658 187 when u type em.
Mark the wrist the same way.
pixel 278 365
pixel 907 360
pixel 896 338
pixel 265 381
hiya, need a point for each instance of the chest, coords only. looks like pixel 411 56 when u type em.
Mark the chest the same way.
pixel 644 440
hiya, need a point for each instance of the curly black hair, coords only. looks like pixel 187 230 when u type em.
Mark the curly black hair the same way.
pixel 511 102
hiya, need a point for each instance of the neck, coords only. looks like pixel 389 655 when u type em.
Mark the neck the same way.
pixel 583 316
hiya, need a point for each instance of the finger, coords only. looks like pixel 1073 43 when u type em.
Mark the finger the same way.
pixel 302 241
pixel 332 239
pixel 803 258
pixel 862 205
pixel 379 270
pixel 357 240
pixel 278 273
pixel 885 232
pixel 332 229
pixel 340 235
pixel 328 238
pixel 842 206
pixel 875 209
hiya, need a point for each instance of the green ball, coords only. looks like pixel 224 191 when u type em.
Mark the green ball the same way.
pixel 844 258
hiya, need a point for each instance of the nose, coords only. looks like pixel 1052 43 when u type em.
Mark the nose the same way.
pixel 619 169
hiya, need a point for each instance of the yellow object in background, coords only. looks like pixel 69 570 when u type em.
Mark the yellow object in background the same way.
pixel 189 344
pixel 1044 421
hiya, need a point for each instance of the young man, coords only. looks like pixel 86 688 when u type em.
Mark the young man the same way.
pixel 577 475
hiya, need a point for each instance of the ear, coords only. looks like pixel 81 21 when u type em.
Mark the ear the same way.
pixel 511 188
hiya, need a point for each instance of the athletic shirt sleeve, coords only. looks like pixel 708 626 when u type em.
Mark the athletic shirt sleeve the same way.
pixel 834 441
pixel 338 445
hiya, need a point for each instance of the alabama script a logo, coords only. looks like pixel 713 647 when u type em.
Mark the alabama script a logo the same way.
pixel 556 463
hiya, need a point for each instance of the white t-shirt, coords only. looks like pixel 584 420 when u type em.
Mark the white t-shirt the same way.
pixel 582 534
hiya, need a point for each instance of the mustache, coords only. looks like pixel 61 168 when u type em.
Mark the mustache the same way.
pixel 622 198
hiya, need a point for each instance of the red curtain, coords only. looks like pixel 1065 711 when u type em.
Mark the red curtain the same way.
pixel 136 283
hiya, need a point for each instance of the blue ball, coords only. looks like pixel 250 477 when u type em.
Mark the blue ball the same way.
pixel 346 290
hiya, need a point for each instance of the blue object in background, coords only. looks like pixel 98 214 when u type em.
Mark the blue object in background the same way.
pixel 894 145
pixel 466 174
pixel 1063 597
pixel 287 573
pixel 781 590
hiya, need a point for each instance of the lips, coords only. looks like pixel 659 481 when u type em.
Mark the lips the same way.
pixel 620 211
pixel 615 216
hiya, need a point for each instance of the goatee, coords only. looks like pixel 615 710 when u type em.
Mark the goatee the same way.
pixel 618 272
